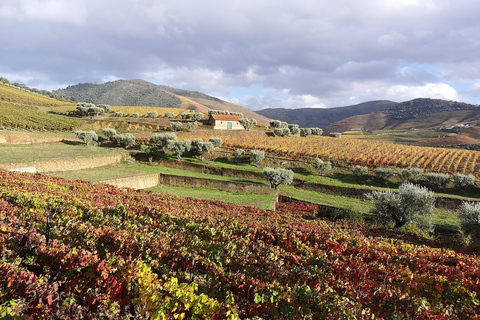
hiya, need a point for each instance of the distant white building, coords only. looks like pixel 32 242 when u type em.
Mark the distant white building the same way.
pixel 225 122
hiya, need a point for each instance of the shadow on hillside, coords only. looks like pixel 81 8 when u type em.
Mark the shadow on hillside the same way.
pixel 303 171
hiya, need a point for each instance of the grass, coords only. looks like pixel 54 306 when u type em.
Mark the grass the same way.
pixel 50 151
pixel 257 200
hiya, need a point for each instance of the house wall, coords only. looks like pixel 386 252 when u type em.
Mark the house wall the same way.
pixel 221 124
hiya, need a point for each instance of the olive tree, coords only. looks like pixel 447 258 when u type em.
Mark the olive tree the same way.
pixel 248 123
pixel 125 140
pixel 179 147
pixel 86 136
pixel 176 125
pixel 152 114
pixel 463 180
pixel 109 133
pixel 282 132
pixel 217 142
pixel 412 204
pixel 470 219
pixel 437 181
pixel 410 174
pixel 322 166
pixel 257 156
pixel 238 154
pixel 169 115
pixel 305 132
pixel 278 176
pixel 384 173
pixel 192 125
pixel 163 140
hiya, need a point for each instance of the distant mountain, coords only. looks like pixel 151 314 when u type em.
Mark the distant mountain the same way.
pixel 318 117
pixel 143 93
pixel 378 115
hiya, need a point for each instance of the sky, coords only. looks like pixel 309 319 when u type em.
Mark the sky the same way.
pixel 254 53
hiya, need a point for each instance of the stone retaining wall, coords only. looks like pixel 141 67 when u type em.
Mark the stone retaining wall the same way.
pixel 62 164
pixel 137 182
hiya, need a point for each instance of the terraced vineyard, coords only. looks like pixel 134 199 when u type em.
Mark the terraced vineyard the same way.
pixel 365 153
pixel 84 250
pixel 28 117
pixel 8 94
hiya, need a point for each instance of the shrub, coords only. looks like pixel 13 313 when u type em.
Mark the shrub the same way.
pixel 410 174
pixel 257 156
pixel 106 108
pixel 305 132
pixel 322 166
pixel 281 132
pixel 152 114
pixel 359 171
pixel 383 173
pixel 192 125
pixel 176 125
pixel 335 135
pixel 316 131
pixel 179 147
pixel 163 140
pixel 169 115
pixel 437 180
pixel 248 123
pixel 125 140
pixel 295 130
pixel 136 115
pixel 346 214
pixel 119 114
pixel 412 204
pixel 109 133
pixel 470 219
pixel 217 142
pixel 196 116
pixel 463 180
pixel 278 176
pixel 86 136
pixel 238 154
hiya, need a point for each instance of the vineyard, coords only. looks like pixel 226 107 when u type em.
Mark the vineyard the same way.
pixel 28 117
pixel 13 95
pixel 365 153
pixel 74 249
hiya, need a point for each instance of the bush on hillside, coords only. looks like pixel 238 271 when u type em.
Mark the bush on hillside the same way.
pixel 109 133
pixel 192 125
pixel 383 173
pixel 125 140
pixel 463 180
pixel 322 166
pixel 470 219
pixel 412 204
pixel 176 125
pixel 217 142
pixel 163 140
pixel 437 181
pixel 278 176
pixel 410 174
pixel 257 156
pixel 86 136
pixel 238 154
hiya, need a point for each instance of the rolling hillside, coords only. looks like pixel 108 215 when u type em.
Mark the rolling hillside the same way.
pixel 143 93
pixel 382 115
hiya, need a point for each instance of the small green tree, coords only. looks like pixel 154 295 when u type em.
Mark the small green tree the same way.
pixel 437 181
pixel 109 133
pixel 169 115
pixel 412 204
pixel 317 131
pixel 125 140
pixel 152 114
pixel 278 176
pixel 136 115
pixel 470 219
pixel 86 136
pixel 179 147
pixel 410 174
pixel 238 154
pixel 360 171
pixel 106 108
pixel 163 140
pixel 322 166
pixel 383 173
pixel 463 180
pixel 217 142
pixel 119 114
pixel 257 156
pixel 176 125
pixel 192 125
pixel 305 132
pixel 282 132
pixel 248 123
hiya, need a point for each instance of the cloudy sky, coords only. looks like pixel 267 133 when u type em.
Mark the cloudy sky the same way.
pixel 258 54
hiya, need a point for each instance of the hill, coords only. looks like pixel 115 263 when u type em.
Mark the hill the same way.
pixel 316 117
pixel 143 93
pixel 382 115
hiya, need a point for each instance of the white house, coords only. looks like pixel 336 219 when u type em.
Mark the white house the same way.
pixel 225 122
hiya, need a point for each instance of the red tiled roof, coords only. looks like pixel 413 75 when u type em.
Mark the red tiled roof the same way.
pixel 224 117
